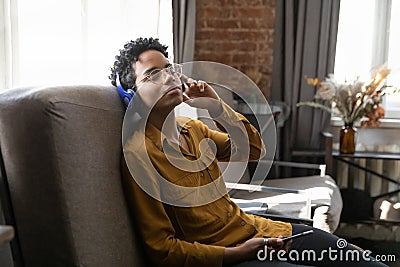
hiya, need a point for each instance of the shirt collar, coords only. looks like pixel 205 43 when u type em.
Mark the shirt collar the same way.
pixel 158 138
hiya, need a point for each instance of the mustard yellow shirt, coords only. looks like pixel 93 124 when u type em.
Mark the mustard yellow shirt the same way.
pixel 193 236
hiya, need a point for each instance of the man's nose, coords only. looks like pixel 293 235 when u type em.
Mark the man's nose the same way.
pixel 168 76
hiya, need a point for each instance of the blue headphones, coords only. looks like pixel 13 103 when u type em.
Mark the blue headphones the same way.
pixel 126 96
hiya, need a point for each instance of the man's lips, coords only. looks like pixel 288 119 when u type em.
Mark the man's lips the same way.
pixel 172 90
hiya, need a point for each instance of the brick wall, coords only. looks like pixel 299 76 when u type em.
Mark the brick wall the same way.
pixel 238 33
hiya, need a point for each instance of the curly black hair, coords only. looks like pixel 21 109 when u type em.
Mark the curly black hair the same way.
pixel 129 54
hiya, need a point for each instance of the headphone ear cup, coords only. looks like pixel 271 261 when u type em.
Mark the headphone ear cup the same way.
pixel 128 95
pixel 125 95
pixel 131 93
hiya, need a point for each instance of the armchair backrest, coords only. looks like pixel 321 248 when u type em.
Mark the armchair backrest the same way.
pixel 61 148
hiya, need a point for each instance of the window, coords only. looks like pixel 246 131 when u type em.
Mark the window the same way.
pixel 369 35
pixel 75 41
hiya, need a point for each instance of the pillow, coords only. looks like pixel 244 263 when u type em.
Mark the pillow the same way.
pixel 386 209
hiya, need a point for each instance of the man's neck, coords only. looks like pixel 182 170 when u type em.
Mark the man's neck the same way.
pixel 166 124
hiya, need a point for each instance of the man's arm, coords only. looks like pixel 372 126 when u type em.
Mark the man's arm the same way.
pixel 158 233
pixel 243 140
pixel 239 136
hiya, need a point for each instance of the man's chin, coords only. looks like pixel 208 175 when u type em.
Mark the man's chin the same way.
pixel 169 102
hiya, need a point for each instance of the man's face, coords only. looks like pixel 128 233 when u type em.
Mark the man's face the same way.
pixel 165 96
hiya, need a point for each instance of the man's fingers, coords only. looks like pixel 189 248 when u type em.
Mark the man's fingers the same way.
pixel 201 85
pixel 275 242
pixel 185 97
pixel 186 79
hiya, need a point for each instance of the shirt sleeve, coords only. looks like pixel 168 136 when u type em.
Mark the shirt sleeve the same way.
pixel 239 139
pixel 158 233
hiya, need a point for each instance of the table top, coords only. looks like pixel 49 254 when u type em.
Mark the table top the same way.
pixel 6 234
pixel 368 155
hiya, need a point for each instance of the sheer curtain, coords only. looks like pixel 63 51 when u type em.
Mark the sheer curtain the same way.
pixel 74 41
pixel 184 17
pixel 8 43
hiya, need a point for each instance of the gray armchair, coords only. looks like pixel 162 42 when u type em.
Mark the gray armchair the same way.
pixel 61 148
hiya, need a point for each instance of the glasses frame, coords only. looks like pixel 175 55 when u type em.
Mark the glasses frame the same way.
pixel 172 69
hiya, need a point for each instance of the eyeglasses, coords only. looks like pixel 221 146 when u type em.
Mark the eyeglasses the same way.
pixel 159 76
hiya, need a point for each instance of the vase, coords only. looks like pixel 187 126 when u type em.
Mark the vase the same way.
pixel 348 135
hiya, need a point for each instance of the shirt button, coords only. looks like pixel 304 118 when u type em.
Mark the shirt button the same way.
pixel 242 223
pixel 201 174
pixel 230 208
pixel 229 214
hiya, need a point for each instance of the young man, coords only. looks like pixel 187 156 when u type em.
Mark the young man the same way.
pixel 192 227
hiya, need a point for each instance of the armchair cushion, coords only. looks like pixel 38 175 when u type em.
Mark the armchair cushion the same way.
pixel 325 198
pixel 326 201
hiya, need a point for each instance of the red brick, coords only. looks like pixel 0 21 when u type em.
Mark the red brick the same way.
pixel 247 46
pixel 268 19
pixel 223 23
pixel 249 12
pixel 269 3
pixel 226 47
pixel 211 12
pixel 216 57
pixel 262 59
pixel 248 3
pixel 219 34
pixel 250 23
pixel 221 3
pixel 206 45
pixel 204 35
pixel 247 35
pixel 242 58
pixel 204 3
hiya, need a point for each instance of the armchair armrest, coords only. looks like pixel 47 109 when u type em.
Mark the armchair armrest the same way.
pixel 262 188
pixel 285 218
pixel 320 167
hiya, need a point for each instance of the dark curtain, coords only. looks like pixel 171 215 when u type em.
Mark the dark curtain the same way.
pixel 184 26
pixel 305 45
